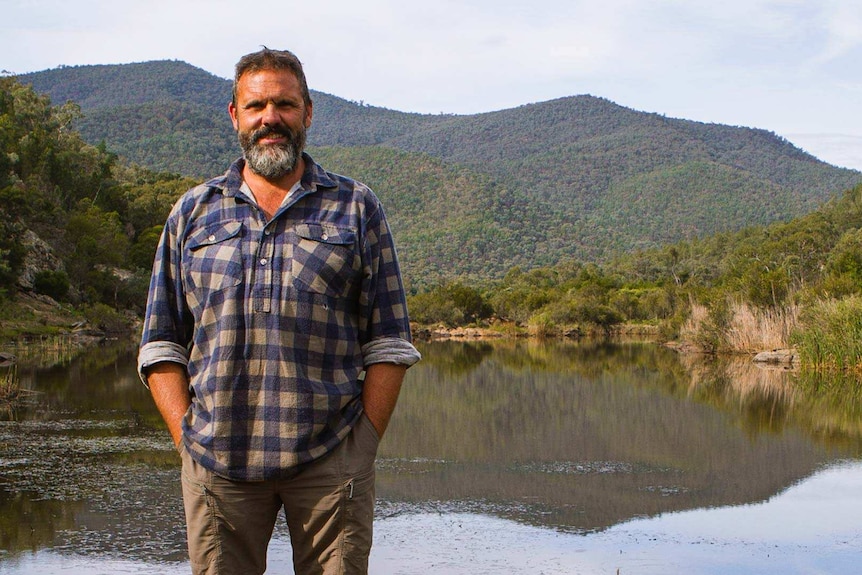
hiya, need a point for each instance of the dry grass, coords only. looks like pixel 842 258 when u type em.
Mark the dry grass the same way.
pixel 698 317
pixel 752 330
pixel 742 329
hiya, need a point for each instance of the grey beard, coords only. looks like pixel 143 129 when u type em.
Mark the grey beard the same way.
pixel 272 162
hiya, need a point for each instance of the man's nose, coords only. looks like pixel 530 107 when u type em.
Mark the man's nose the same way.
pixel 270 115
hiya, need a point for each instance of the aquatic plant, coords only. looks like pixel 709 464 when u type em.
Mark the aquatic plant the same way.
pixel 10 386
pixel 829 336
pixel 734 326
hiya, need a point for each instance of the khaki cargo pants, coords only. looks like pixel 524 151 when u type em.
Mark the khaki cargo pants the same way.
pixel 329 508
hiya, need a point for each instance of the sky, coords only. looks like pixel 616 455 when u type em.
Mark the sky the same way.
pixel 793 67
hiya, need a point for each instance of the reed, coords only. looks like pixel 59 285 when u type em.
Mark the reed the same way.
pixel 47 351
pixel 756 329
pixel 829 336
pixel 737 327
pixel 10 385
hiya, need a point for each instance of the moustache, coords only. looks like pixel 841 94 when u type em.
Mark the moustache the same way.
pixel 266 131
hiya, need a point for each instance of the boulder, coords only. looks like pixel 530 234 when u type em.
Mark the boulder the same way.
pixel 40 257
pixel 777 356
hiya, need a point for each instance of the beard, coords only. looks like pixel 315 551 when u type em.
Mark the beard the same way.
pixel 272 161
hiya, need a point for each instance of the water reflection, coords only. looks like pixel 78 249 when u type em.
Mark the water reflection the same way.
pixel 582 436
pixel 577 437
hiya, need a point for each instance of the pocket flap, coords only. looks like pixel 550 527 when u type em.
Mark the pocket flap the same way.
pixel 214 235
pixel 326 233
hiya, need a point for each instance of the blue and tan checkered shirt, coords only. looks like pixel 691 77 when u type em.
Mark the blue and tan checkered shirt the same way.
pixel 275 320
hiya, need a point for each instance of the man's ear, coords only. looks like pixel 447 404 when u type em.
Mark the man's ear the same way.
pixel 231 109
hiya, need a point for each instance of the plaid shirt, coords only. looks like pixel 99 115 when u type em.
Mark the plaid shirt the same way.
pixel 275 320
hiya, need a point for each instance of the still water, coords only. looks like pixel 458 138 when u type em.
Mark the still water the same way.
pixel 502 457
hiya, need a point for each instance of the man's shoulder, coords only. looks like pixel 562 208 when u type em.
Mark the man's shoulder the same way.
pixel 205 190
pixel 320 177
pixel 199 194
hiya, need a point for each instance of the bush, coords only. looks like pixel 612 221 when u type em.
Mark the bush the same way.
pixel 830 335
pixel 106 318
pixel 54 284
pixel 452 304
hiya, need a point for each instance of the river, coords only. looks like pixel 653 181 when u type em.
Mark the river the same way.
pixel 503 457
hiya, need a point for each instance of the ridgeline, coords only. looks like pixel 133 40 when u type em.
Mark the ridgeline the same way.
pixel 472 196
pixel 552 217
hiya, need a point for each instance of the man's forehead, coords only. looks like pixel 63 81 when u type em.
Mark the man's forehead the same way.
pixel 261 74
pixel 268 80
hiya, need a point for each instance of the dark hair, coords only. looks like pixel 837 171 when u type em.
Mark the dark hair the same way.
pixel 267 59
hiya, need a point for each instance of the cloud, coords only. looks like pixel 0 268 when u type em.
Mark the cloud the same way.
pixel 791 66
pixel 842 24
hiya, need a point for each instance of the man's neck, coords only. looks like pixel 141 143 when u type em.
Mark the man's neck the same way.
pixel 269 194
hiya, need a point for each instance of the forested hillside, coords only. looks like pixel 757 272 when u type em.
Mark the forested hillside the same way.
pixel 471 196
pixel 76 224
pixel 80 225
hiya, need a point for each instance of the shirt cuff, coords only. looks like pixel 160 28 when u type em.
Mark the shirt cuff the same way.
pixel 390 350
pixel 158 351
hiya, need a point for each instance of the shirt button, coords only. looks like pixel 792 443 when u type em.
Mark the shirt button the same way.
pixel 212 238
pixel 324 237
pixel 267 232
pixel 263 261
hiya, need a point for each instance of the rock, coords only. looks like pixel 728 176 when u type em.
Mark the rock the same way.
pixel 40 257
pixel 779 356
pixel 7 359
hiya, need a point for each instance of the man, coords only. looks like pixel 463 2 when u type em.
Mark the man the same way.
pixel 275 341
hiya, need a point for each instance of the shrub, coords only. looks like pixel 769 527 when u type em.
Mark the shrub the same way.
pixel 54 284
pixel 830 335
pixel 106 318
pixel 451 304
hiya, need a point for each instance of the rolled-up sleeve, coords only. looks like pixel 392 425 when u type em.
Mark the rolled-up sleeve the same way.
pixel 384 323
pixel 157 352
pixel 167 326
pixel 390 350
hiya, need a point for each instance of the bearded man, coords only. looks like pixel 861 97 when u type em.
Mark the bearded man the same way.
pixel 275 341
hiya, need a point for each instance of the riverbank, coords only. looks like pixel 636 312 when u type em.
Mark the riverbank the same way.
pixel 766 338
pixel 27 316
pixel 784 358
pixel 500 329
pixel 30 315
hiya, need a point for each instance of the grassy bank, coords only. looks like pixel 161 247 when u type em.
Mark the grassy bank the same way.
pixel 826 334
pixel 27 315
pixel 829 336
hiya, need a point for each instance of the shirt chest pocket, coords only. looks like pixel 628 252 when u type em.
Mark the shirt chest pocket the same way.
pixel 325 259
pixel 213 258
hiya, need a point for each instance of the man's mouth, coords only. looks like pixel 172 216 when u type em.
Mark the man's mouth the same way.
pixel 271 140
pixel 269 136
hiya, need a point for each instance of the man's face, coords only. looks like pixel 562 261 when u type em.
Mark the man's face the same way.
pixel 271 118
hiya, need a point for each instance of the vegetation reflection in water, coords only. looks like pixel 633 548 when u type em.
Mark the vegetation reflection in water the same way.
pixel 580 436
pixel 575 436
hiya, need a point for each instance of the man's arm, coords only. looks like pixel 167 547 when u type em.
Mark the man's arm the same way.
pixel 169 385
pixel 380 393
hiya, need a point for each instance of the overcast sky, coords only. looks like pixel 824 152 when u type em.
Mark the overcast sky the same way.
pixel 790 66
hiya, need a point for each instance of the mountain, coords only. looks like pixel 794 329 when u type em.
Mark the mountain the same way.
pixel 473 195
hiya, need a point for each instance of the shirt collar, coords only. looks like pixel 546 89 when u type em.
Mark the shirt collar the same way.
pixel 313 177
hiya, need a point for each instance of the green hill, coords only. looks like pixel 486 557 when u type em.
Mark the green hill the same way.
pixel 578 177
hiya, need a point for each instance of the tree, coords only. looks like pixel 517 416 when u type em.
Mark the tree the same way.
pixel 97 244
